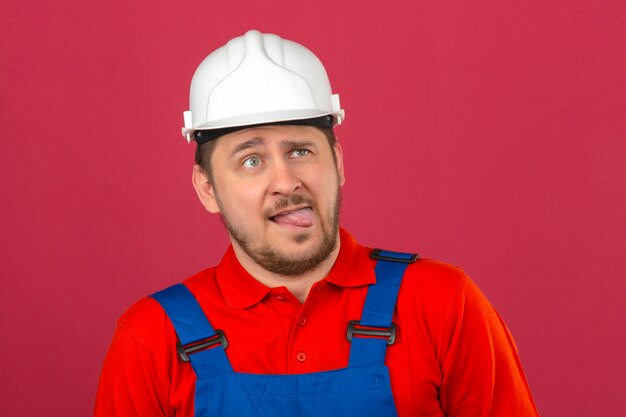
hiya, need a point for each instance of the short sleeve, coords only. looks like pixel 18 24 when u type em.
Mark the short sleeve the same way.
pixel 482 373
pixel 132 381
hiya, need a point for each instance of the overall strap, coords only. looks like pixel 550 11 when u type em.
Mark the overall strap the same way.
pixel 195 333
pixel 378 310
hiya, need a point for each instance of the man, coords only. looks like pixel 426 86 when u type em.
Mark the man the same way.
pixel 298 318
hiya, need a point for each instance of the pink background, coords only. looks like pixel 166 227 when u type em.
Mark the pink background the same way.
pixel 487 134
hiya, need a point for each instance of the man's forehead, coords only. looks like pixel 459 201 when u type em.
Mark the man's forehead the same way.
pixel 263 135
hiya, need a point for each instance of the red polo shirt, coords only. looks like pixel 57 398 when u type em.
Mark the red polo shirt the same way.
pixel 453 354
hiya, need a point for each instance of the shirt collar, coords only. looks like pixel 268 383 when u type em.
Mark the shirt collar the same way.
pixel 352 268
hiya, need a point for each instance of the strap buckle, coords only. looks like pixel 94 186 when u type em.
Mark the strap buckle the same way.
pixel 355 328
pixel 185 350
pixel 387 255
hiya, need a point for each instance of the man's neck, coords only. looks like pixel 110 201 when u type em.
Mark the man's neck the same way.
pixel 299 286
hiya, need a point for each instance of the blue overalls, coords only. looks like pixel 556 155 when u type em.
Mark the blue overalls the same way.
pixel 362 389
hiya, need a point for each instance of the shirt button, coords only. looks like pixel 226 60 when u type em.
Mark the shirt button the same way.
pixel 280 298
pixel 301 321
pixel 301 357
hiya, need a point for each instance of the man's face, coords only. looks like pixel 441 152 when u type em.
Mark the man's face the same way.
pixel 277 189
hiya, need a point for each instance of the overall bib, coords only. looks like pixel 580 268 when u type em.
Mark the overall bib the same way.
pixel 362 389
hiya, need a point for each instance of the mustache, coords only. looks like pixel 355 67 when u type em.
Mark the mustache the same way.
pixel 283 203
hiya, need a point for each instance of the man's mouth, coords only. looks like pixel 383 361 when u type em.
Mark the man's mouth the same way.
pixel 302 217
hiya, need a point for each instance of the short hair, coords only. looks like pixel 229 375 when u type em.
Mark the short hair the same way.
pixel 205 151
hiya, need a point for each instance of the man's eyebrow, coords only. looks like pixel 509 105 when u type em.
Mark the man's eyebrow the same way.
pixel 247 144
pixel 294 143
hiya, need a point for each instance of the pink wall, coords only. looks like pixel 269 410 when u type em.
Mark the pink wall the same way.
pixel 487 134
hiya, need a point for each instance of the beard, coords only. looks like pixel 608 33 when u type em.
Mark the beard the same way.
pixel 281 262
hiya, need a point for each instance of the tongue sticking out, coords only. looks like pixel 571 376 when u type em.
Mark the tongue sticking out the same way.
pixel 302 217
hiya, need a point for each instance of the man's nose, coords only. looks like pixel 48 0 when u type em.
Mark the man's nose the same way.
pixel 284 179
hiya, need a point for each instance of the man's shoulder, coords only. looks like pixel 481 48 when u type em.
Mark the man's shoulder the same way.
pixel 430 282
pixel 146 317
pixel 426 271
pixel 425 275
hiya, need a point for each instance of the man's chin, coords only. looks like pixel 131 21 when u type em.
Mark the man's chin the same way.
pixel 296 257
pixel 288 251
pixel 300 239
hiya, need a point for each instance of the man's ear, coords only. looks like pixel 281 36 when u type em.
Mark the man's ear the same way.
pixel 204 189
pixel 339 158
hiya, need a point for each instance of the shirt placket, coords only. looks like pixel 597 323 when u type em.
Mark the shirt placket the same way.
pixel 303 350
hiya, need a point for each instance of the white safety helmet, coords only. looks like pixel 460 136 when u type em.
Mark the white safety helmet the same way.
pixel 258 79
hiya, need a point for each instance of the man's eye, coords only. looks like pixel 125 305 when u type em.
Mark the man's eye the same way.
pixel 300 152
pixel 251 162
